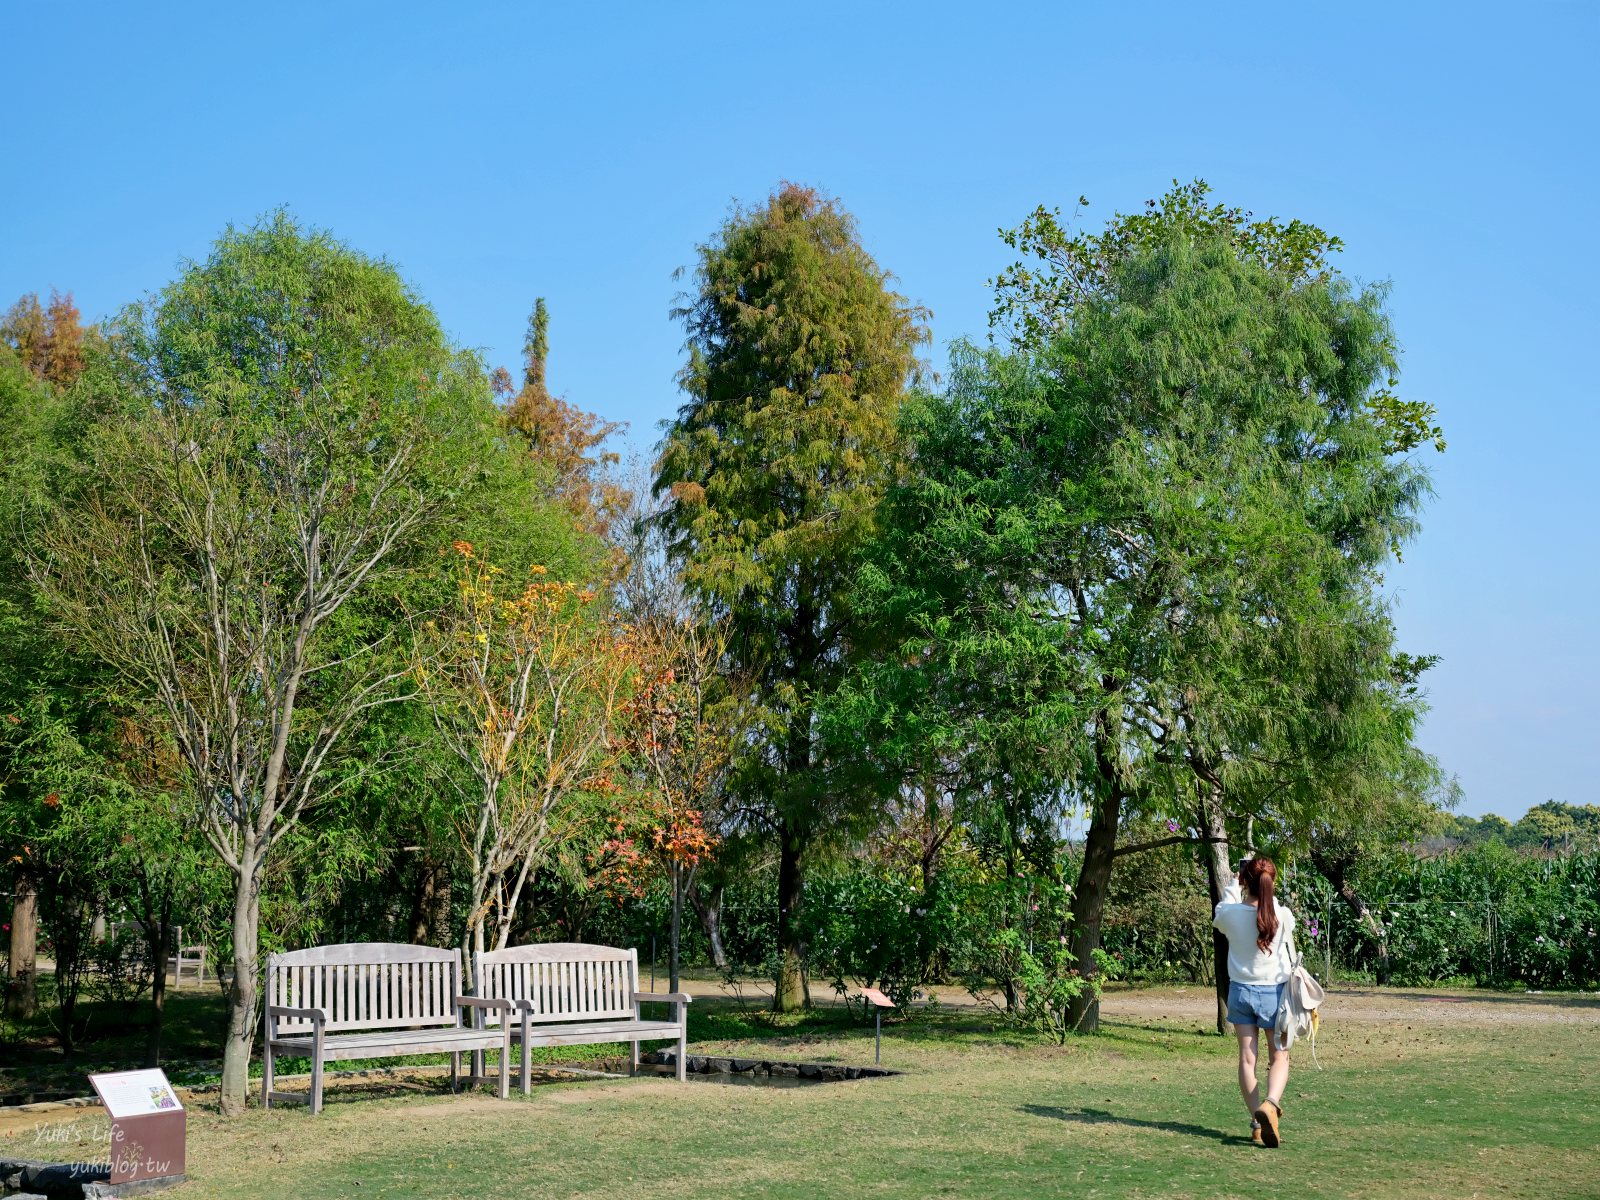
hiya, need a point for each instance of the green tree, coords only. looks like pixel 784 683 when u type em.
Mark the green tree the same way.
pixel 269 438
pixel 1062 268
pixel 799 355
pixel 1550 826
pixel 40 682
pixel 1140 551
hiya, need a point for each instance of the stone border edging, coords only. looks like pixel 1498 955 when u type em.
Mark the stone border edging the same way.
pixel 709 1064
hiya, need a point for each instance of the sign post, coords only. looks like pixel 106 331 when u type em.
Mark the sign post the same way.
pixel 879 1002
pixel 148 1125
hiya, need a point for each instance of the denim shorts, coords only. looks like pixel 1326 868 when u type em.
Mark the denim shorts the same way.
pixel 1255 1003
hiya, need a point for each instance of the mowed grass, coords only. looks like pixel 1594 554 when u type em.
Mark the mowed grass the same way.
pixel 1422 1095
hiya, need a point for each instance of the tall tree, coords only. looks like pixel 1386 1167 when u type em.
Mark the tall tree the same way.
pixel 1145 543
pixel 1234 759
pixel 48 340
pixel 272 436
pixel 799 356
pixel 562 439
pixel 40 682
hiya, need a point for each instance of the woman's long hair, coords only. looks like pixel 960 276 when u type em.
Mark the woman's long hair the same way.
pixel 1260 875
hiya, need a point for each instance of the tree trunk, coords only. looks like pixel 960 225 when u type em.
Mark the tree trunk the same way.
pixel 158 935
pixel 155 916
pixel 70 921
pixel 242 995
pixel 1219 873
pixel 472 945
pixel 709 910
pixel 677 926
pixel 933 832
pixel 425 903
pixel 1008 985
pixel 790 990
pixel 1350 896
pixel 1089 904
pixel 22 992
pixel 1334 868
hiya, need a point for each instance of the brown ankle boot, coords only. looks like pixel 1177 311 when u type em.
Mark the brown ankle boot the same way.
pixel 1255 1132
pixel 1267 1115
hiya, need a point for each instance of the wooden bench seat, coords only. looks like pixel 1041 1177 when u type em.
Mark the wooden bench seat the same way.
pixel 385 1043
pixel 375 1000
pixel 571 993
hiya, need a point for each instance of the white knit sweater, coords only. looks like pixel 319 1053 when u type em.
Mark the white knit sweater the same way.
pixel 1246 962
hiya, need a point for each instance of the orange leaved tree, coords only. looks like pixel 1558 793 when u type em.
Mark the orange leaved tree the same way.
pixel 526 684
pixel 679 737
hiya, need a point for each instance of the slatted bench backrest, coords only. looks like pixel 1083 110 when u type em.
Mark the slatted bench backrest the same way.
pixel 366 985
pixel 565 981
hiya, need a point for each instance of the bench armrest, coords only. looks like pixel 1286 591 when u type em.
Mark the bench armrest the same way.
pixel 480 1009
pixel 277 1012
pixel 479 1002
pixel 661 997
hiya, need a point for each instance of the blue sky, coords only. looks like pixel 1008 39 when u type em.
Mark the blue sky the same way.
pixel 496 152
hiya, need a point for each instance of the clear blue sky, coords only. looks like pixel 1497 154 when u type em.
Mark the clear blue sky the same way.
pixel 496 152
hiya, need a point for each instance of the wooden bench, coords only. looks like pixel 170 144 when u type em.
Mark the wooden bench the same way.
pixel 569 993
pixel 186 958
pixel 374 1000
pixel 183 958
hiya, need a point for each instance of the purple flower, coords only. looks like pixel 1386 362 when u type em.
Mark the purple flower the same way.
pixel 1314 929
pixel 1172 825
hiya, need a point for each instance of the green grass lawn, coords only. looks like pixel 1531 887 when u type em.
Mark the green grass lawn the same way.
pixel 1494 1096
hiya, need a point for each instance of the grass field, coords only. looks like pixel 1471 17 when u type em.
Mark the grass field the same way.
pixel 1449 1094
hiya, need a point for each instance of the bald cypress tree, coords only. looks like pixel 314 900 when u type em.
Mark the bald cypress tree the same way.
pixel 799 356
pixel 567 442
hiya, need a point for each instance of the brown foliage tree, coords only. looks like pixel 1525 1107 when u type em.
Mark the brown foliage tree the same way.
pixel 48 340
pixel 562 437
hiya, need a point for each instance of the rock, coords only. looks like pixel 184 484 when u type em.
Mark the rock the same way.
pixel 107 1191
pixel 810 1071
pixel 745 1065
pixel 61 1179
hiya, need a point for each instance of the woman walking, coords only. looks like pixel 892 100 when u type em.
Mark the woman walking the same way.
pixel 1258 930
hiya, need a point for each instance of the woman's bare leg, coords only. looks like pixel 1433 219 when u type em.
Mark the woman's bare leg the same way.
pixel 1248 1087
pixel 1277 1071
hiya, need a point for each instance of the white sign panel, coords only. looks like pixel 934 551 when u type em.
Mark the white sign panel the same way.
pixel 136 1093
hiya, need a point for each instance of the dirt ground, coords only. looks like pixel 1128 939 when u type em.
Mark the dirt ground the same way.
pixel 1358 1004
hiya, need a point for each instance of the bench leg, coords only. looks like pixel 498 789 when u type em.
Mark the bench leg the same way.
pixel 527 1058
pixel 633 1061
pixel 505 1058
pixel 266 1057
pixel 316 1072
pixel 683 1052
pixel 266 1075
pixel 479 1071
pixel 455 1072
